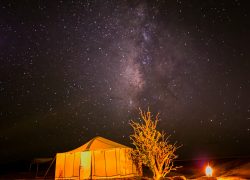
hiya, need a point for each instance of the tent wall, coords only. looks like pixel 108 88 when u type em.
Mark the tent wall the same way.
pixel 67 165
pixel 60 158
pixel 111 166
pixel 77 162
pixel 112 163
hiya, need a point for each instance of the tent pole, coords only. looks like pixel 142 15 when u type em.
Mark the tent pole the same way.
pixel 49 167
pixel 37 168
pixel 30 166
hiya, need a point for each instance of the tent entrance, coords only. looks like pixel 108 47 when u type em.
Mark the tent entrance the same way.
pixel 85 168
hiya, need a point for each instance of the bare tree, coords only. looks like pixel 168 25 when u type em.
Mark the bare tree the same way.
pixel 152 147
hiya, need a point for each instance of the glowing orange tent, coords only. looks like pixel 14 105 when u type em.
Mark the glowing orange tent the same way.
pixel 99 158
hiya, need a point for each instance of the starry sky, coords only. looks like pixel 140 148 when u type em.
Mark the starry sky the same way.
pixel 72 70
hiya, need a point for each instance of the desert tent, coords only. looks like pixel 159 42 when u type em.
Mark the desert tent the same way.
pixel 99 158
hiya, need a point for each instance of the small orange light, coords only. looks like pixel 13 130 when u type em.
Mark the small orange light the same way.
pixel 209 171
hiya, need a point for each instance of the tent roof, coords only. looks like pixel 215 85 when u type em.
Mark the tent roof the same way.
pixel 98 143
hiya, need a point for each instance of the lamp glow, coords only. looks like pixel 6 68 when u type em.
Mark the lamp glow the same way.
pixel 209 171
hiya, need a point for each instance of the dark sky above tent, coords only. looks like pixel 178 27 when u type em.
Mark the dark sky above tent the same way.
pixel 71 70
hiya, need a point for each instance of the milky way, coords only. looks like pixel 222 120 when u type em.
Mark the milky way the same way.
pixel 73 70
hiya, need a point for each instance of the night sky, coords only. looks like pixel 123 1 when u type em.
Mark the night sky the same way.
pixel 72 70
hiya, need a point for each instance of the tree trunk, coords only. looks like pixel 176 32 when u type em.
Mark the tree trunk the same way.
pixel 157 175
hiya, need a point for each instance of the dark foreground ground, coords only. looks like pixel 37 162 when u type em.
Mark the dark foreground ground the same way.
pixel 224 169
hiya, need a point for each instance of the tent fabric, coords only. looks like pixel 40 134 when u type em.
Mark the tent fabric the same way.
pixel 99 158
pixel 98 143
